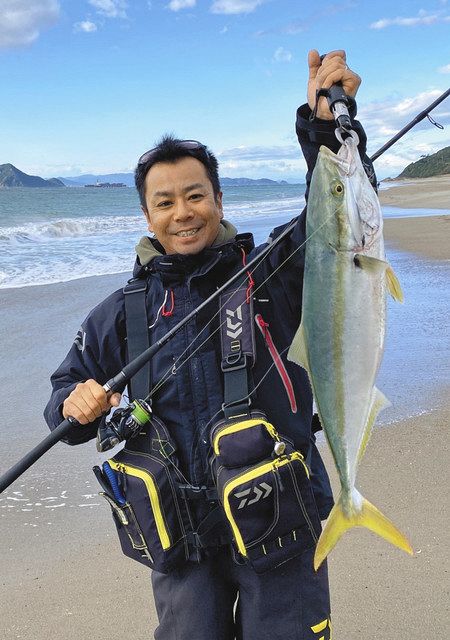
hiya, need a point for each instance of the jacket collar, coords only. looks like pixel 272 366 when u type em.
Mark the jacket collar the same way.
pixel 151 256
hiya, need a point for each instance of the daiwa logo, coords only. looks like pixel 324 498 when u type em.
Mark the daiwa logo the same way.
pixel 259 493
pixel 234 329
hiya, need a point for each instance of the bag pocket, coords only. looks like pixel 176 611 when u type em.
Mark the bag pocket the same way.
pixel 269 505
pixel 146 509
pixel 242 443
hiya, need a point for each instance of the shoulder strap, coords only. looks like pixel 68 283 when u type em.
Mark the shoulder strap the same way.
pixel 138 339
pixel 238 350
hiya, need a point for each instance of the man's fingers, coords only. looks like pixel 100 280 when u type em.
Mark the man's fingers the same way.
pixel 114 400
pixel 338 53
pixel 81 413
pixel 87 402
pixel 313 63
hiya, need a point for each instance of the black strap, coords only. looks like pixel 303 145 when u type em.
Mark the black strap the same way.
pixel 138 339
pixel 238 350
pixel 212 531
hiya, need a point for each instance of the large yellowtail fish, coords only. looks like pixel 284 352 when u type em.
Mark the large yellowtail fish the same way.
pixel 340 338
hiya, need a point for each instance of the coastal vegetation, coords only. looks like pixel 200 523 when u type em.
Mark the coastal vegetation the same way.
pixel 436 164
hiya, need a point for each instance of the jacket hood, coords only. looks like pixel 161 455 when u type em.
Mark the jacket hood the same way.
pixel 149 248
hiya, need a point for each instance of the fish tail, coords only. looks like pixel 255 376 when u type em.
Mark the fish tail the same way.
pixel 367 516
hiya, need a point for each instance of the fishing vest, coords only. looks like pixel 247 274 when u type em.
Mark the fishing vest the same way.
pixel 261 500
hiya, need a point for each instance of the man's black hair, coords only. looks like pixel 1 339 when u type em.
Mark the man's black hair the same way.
pixel 170 149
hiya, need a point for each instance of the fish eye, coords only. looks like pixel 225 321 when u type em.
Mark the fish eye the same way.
pixel 337 189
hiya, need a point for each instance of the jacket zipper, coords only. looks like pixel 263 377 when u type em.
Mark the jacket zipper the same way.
pixel 287 382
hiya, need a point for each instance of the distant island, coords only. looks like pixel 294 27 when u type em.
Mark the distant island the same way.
pixel 436 164
pixel 11 176
pixel 106 185
pixel 128 180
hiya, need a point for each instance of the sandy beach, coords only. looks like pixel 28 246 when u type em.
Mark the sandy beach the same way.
pixel 418 193
pixel 63 575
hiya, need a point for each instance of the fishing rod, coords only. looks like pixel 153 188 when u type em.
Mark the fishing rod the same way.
pixel 339 105
pixel 118 381
pixel 423 114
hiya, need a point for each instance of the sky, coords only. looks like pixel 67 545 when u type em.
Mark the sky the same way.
pixel 89 85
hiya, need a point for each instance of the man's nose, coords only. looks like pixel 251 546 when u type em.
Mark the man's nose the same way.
pixel 183 211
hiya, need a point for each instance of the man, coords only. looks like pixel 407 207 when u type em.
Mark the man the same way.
pixel 214 595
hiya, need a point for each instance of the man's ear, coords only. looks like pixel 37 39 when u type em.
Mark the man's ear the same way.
pixel 219 203
pixel 147 217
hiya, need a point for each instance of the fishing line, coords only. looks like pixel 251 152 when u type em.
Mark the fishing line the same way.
pixel 172 370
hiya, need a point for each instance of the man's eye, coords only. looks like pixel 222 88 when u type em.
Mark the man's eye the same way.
pixel 196 196
pixel 164 203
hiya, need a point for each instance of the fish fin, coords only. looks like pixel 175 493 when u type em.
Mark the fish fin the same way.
pixel 368 516
pixel 393 285
pixel 370 264
pixel 379 402
pixel 297 351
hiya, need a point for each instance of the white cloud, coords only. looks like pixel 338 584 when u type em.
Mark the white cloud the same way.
pixel 21 21
pixel 382 120
pixel 444 69
pixel 282 55
pixel 110 8
pixel 422 18
pixel 223 30
pixel 235 6
pixel 86 26
pixel 176 5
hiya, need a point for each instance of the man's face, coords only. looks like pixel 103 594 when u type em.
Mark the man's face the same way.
pixel 181 209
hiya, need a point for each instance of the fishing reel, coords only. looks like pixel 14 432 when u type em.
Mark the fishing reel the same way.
pixel 125 423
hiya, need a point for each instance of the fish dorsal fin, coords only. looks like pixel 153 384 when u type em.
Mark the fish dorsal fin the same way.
pixel 393 285
pixel 375 266
pixel 370 264
pixel 298 352
pixel 378 403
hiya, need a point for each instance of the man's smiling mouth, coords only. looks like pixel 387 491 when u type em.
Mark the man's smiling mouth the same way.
pixel 187 234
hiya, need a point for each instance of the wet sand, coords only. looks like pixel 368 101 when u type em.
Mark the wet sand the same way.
pixel 63 575
pixel 421 193
pixel 425 236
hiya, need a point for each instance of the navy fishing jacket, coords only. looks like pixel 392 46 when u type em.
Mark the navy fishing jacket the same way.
pixel 193 393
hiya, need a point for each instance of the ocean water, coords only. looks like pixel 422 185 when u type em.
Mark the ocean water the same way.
pixel 54 235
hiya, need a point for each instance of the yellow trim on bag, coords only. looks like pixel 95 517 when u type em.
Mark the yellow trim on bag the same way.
pixel 240 426
pixel 153 495
pixel 273 465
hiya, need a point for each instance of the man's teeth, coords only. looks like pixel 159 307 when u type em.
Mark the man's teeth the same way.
pixel 186 234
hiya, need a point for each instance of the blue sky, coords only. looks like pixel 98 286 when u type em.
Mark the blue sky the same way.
pixel 88 85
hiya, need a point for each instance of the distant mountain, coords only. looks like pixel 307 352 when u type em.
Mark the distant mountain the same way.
pixel 128 179
pixel 436 164
pixel 10 176
pixel 89 178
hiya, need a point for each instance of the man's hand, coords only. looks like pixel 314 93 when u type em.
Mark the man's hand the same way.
pixel 323 74
pixel 88 401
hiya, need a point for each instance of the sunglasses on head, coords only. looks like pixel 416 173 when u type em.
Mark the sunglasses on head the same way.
pixel 184 144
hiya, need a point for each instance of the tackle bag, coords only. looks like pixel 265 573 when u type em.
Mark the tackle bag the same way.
pixel 264 487
pixel 141 487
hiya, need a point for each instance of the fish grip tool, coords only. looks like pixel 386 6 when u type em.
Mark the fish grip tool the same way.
pixel 339 104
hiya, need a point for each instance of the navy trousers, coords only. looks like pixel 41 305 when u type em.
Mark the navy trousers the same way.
pixel 219 599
